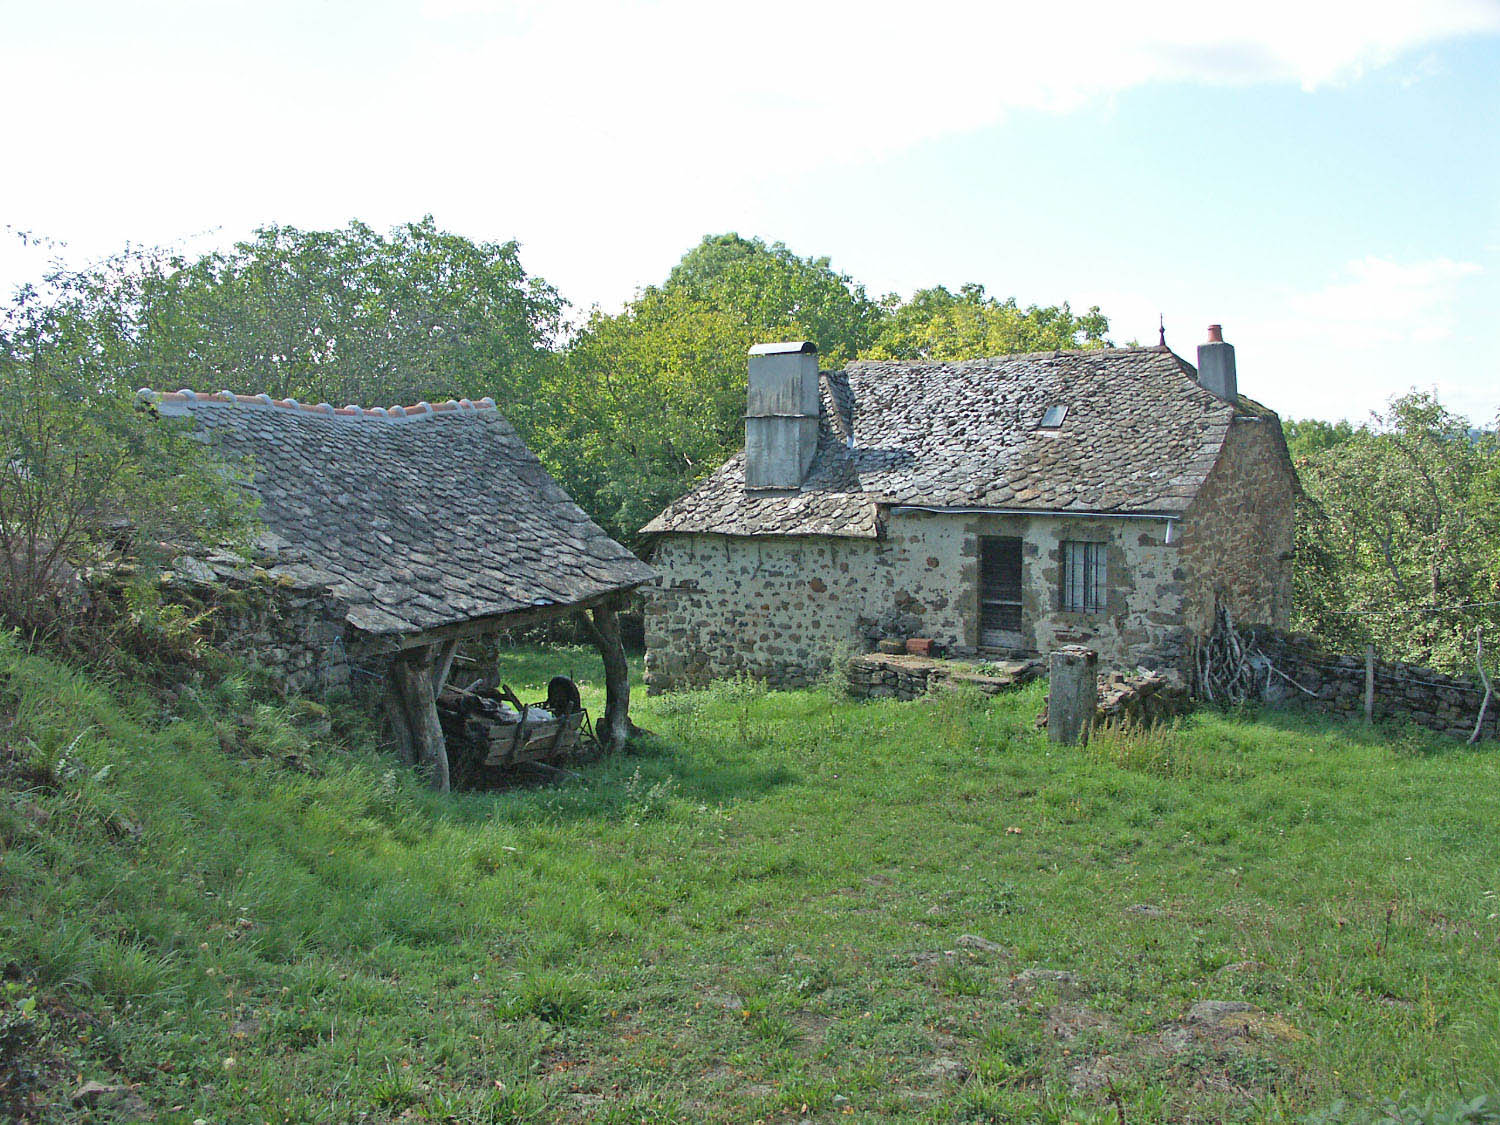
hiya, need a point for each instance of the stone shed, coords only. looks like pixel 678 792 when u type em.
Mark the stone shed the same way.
pixel 403 532
pixel 1001 506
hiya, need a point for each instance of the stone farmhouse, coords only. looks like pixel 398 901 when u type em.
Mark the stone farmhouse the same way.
pixel 995 506
pixel 392 536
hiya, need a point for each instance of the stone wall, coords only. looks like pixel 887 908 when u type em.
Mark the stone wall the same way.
pixel 883 676
pixel 785 608
pixel 296 631
pixel 1335 685
pixel 776 609
pixel 1237 536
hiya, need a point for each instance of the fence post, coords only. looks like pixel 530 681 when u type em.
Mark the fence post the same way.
pixel 1072 693
pixel 1369 683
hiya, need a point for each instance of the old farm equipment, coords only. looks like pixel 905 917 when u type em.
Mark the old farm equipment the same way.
pixel 492 732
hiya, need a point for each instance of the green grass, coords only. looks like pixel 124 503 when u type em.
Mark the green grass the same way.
pixel 758 910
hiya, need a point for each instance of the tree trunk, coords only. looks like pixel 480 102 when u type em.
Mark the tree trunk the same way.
pixel 412 679
pixel 604 627
pixel 395 712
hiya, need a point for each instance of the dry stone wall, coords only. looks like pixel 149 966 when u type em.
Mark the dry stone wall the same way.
pixel 1296 670
pixel 295 630
pixel 883 676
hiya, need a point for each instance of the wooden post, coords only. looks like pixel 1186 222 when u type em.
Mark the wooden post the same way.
pixel 443 665
pixel 395 712
pixel 1072 693
pixel 604 628
pixel 1484 679
pixel 412 678
pixel 1369 683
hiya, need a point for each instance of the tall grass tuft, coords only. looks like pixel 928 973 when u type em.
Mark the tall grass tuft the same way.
pixel 1162 749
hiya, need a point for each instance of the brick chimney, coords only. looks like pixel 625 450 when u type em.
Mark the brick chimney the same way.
pixel 781 416
pixel 1216 371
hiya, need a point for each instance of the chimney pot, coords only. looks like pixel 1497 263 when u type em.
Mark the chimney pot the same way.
pixel 1215 333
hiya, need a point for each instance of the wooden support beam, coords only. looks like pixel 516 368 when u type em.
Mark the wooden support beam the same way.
pixel 411 677
pixel 603 626
pixel 520 619
pixel 395 713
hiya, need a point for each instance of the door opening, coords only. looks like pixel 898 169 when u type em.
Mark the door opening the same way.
pixel 1000 593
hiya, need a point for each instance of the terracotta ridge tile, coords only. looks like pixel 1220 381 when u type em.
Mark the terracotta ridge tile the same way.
pixel 350 410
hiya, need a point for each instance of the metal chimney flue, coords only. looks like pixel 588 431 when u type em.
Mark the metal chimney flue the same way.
pixel 781 415
pixel 1216 370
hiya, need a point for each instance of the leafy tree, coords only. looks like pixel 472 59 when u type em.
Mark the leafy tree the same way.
pixel 82 464
pixel 775 294
pixel 353 315
pixel 939 324
pixel 651 400
pixel 1308 437
pixel 1397 544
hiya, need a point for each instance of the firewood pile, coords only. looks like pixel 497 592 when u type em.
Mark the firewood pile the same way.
pixel 491 732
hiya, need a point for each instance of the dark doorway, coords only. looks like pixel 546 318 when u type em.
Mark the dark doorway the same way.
pixel 999 593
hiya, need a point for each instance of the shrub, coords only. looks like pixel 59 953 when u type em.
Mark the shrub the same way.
pixel 85 467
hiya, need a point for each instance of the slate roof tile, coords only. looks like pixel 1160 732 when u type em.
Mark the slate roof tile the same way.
pixel 1139 435
pixel 415 518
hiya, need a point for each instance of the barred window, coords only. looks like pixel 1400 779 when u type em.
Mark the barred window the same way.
pixel 1083 587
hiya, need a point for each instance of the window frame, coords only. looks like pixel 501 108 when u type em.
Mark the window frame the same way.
pixel 1084 585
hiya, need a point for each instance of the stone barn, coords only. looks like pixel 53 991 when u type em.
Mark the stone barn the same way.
pixel 995 506
pixel 394 535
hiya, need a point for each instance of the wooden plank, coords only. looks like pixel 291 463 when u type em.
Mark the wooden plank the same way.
pixel 999 585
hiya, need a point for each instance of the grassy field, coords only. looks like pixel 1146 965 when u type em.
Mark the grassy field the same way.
pixel 780 907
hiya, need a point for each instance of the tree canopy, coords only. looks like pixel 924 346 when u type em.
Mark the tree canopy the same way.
pixel 646 402
pixel 775 294
pixel 353 315
pixel 82 465
pixel 939 324
pixel 1398 538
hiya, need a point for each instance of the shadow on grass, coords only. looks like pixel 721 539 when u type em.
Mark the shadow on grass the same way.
pixel 644 781
pixel 1399 735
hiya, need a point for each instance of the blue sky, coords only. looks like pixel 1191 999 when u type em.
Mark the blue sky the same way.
pixel 1321 178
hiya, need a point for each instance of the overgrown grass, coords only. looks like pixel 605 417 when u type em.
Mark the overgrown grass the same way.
pixel 755 915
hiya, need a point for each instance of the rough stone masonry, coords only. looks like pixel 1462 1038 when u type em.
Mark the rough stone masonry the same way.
pixel 1182 496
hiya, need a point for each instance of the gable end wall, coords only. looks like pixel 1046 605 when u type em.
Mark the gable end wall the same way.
pixel 1237 536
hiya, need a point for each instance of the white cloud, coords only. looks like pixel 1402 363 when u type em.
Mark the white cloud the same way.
pixel 1377 329
pixel 845 81
pixel 608 134
pixel 1376 301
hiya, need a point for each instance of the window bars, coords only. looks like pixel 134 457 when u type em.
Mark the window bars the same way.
pixel 1084 577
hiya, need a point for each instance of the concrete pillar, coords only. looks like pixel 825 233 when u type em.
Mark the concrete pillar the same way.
pixel 1072 694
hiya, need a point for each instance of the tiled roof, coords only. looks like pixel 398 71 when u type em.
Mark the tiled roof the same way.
pixel 415 518
pixel 1139 435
